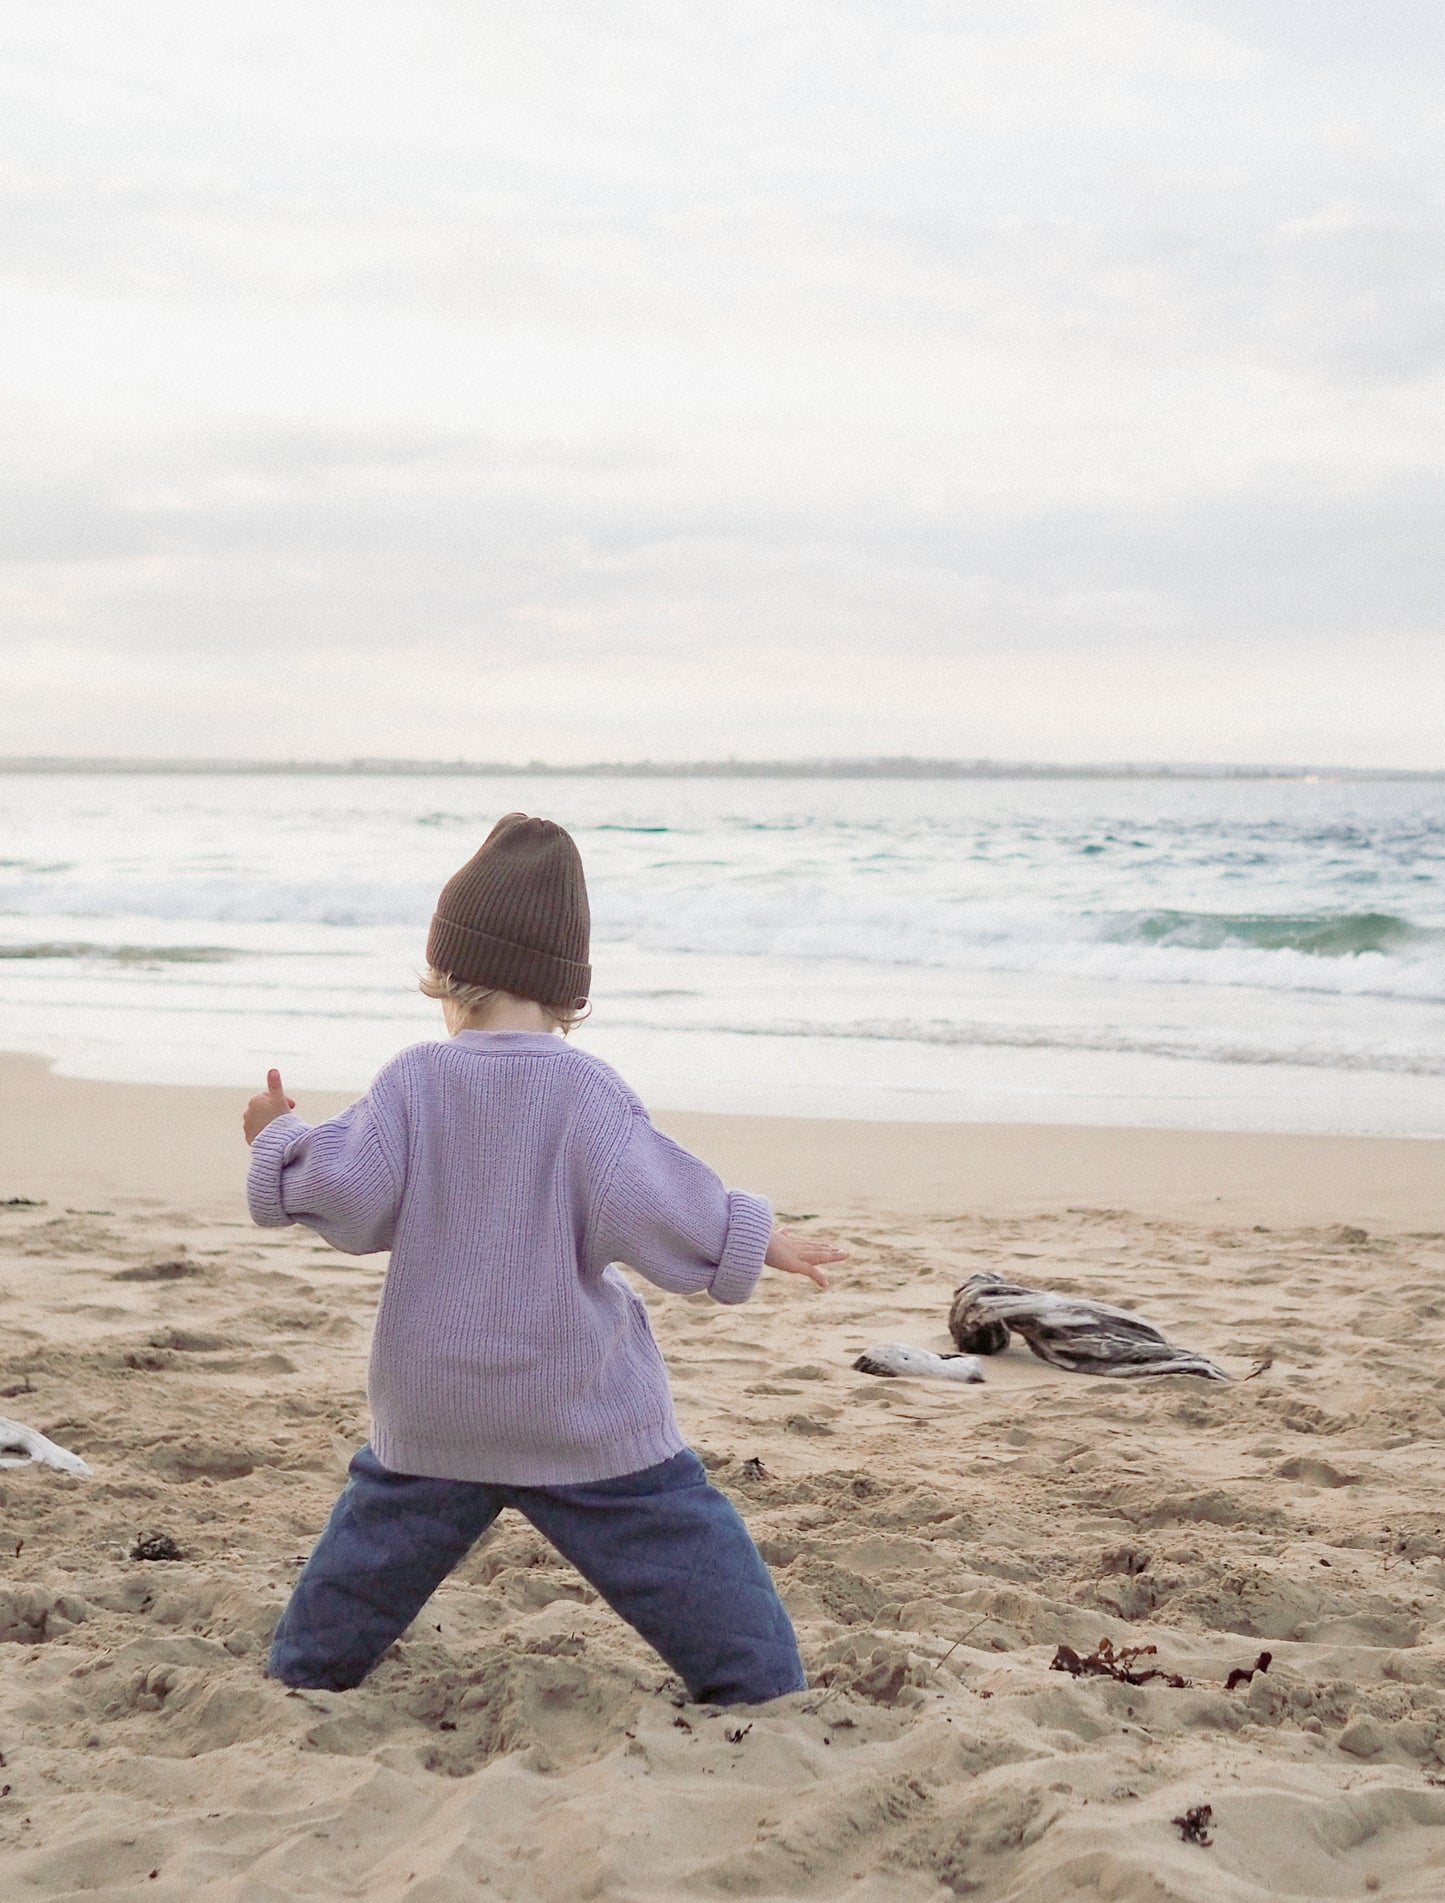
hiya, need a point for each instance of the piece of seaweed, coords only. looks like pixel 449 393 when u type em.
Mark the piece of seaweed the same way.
pixel 1105 1662
pixel 1242 1674
pixel 1193 1826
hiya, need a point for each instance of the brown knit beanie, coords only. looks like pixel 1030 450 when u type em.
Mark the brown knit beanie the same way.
pixel 515 917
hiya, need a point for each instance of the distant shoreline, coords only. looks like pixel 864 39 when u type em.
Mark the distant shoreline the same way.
pixel 891 768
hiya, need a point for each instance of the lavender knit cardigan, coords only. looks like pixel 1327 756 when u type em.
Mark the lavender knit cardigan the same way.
pixel 506 1171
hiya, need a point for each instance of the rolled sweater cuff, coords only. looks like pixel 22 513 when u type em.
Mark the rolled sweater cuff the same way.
pixel 750 1227
pixel 269 1155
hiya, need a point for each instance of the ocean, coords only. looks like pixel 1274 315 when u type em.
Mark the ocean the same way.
pixel 1209 954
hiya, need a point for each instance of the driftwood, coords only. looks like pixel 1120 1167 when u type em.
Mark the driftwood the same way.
pixel 1085 1337
pixel 23 1447
pixel 896 1357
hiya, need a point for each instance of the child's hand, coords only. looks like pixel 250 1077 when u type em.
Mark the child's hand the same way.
pixel 266 1106
pixel 802 1255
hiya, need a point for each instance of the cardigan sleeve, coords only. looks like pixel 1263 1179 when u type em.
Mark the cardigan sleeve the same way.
pixel 342 1178
pixel 667 1215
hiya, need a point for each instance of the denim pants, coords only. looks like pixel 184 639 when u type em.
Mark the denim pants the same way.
pixel 663 1547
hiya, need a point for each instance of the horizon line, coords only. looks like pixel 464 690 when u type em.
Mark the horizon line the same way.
pixel 869 766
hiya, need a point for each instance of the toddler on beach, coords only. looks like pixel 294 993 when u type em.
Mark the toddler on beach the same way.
pixel 513 1364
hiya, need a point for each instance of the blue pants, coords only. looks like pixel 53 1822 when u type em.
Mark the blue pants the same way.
pixel 664 1548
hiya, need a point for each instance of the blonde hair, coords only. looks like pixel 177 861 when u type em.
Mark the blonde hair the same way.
pixel 442 986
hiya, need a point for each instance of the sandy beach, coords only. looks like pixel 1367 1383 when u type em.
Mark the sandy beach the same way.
pixel 936 1544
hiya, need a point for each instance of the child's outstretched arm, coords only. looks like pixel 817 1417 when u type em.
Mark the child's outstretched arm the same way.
pixel 341 1178
pixel 666 1214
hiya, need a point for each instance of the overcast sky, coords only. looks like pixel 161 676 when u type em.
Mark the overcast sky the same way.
pixel 1046 380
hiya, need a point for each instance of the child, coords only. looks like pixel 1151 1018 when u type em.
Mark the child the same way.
pixel 511 1365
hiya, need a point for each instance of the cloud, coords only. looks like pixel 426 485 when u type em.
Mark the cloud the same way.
pixel 744 346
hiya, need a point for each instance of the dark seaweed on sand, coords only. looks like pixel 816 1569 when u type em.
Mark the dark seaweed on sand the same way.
pixel 1105 1662
pixel 1242 1674
pixel 1193 1826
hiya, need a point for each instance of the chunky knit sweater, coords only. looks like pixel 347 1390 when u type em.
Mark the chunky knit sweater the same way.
pixel 508 1172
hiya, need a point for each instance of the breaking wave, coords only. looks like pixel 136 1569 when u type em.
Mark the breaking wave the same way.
pixel 695 908
pixel 1326 935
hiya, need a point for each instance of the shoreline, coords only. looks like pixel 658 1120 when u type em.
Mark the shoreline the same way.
pixel 68 1139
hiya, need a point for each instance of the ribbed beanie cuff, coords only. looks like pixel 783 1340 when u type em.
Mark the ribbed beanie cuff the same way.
pixel 520 969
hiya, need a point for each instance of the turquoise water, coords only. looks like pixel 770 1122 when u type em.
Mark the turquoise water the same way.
pixel 1238 954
